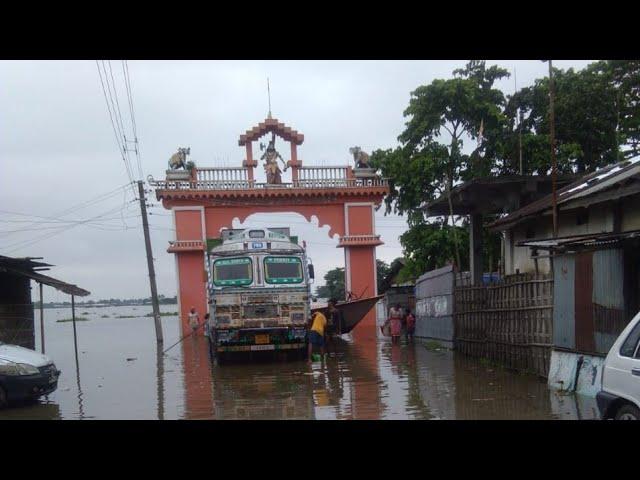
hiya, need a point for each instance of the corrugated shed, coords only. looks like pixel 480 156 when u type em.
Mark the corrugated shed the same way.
pixel 434 304
pixel 584 326
pixel 608 297
pixel 564 301
pixel 608 277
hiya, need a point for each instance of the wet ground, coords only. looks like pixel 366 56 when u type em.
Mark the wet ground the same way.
pixel 120 376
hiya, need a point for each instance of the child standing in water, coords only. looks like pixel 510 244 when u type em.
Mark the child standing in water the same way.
pixel 411 324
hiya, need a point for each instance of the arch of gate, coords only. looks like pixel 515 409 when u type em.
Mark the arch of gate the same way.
pixel 208 199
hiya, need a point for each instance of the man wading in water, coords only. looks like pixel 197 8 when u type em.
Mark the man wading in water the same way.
pixel 194 319
pixel 316 334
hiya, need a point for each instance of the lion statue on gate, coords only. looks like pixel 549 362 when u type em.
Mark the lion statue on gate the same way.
pixel 360 157
pixel 179 159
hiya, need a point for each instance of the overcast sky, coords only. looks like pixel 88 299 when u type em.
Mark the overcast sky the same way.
pixel 58 150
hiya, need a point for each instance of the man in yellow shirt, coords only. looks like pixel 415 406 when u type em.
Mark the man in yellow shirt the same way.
pixel 316 334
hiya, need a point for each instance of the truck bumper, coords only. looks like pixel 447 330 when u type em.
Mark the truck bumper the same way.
pixel 257 348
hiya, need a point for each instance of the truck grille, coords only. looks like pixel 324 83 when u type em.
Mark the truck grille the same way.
pixel 260 311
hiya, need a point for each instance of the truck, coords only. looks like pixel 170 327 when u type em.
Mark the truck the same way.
pixel 259 293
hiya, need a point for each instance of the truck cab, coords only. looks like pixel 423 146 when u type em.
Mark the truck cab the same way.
pixel 259 292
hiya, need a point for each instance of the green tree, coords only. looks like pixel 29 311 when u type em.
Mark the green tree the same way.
pixel 431 158
pixel 597 117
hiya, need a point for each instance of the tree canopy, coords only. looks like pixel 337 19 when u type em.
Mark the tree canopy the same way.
pixel 464 127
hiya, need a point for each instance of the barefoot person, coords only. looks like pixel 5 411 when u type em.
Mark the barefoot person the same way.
pixel 316 334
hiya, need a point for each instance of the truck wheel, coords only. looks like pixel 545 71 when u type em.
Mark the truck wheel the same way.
pixel 628 412
pixel 3 398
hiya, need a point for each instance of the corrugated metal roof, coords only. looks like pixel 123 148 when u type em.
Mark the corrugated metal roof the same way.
pixel 587 185
pixel 25 267
pixel 574 241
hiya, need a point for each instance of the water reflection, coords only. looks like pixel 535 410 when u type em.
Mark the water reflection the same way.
pixel 80 395
pixel 160 381
pixel 363 377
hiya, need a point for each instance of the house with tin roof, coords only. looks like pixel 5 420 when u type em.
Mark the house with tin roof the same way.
pixel 594 261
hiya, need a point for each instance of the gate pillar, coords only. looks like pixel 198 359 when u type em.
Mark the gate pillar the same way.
pixel 359 243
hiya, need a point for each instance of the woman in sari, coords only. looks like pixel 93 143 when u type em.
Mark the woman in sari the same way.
pixel 395 319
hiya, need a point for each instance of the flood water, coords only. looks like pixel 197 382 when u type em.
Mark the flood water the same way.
pixel 121 376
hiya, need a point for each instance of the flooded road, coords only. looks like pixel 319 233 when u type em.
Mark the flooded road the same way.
pixel 120 376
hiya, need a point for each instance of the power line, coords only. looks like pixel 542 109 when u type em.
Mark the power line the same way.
pixel 54 218
pixel 124 136
pixel 61 229
pixel 121 149
pixel 127 78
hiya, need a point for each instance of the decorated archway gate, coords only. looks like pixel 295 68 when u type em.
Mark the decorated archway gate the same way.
pixel 204 201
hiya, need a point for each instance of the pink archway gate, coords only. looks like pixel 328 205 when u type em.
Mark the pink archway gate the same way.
pixel 206 200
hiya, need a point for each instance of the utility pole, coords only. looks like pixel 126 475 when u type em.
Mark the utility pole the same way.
pixel 152 273
pixel 554 166
pixel 518 119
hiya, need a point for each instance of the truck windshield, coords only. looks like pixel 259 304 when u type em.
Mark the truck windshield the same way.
pixel 283 270
pixel 232 271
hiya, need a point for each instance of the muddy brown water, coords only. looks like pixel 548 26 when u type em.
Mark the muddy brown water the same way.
pixel 120 376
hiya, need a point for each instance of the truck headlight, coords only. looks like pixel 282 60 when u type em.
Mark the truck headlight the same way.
pixel 15 369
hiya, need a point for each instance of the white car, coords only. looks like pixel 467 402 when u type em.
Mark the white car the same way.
pixel 620 394
pixel 25 374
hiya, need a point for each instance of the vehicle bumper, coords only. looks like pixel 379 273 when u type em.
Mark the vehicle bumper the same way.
pixel 256 348
pixel 26 387
pixel 604 401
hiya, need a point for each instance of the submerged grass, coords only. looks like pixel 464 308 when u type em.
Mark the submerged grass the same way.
pixel 78 319
pixel 163 314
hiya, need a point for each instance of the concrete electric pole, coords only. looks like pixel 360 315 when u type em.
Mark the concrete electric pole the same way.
pixel 554 166
pixel 152 273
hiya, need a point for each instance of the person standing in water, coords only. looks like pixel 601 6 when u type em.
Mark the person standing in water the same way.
pixel 395 319
pixel 411 324
pixel 194 319
pixel 316 333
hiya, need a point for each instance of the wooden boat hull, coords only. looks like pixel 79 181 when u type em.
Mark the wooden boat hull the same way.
pixel 352 312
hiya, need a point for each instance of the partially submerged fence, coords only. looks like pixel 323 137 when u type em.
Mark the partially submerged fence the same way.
pixel 509 322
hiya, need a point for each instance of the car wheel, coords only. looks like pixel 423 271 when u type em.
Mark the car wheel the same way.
pixel 628 412
pixel 3 398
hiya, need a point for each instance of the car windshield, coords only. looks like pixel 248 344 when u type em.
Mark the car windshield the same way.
pixel 232 271
pixel 283 270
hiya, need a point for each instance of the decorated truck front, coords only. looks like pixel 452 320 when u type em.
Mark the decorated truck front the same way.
pixel 259 292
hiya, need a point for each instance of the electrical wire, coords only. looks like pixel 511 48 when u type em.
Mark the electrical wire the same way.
pixel 62 229
pixel 55 218
pixel 121 148
pixel 127 82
